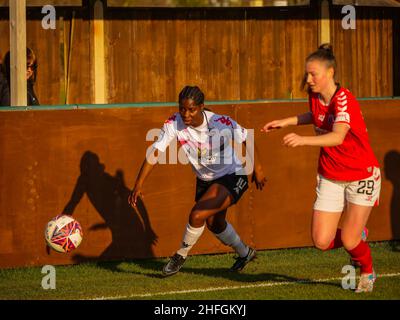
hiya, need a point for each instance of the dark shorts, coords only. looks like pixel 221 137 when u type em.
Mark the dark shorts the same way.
pixel 236 185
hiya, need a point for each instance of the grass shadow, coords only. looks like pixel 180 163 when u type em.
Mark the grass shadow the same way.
pixel 152 268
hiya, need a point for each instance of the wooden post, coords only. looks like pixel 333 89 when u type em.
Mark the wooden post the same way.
pixel 99 72
pixel 69 57
pixel 18 84
pixel 324 35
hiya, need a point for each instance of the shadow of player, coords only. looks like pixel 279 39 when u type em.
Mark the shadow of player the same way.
pixel 131 232
pixel 392 173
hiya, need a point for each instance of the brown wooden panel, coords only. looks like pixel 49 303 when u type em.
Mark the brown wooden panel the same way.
pixel 41 3
pixel 251 52
pixel 365 55
pixel 396 53
pixel 232 54
pixel 45 152
pixel 380 119
pixel 46 45
pixel 4 31
pixel 80 62
pixel 204 3
pixel 47 86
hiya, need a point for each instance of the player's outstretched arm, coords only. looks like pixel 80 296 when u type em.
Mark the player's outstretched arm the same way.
pixel 330 139
pixel 147 166
pixel 301 119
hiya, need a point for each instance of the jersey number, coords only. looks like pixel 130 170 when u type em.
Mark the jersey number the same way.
pixel 366 187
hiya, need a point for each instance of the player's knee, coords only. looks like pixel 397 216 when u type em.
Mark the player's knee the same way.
pixel 211 225
pixel 350 241
pixel 321 243
pixel 197 218
pixel 213 228
pixel 323 246
pixel 216 226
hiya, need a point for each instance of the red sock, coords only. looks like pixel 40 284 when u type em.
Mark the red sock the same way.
pixel 362 255
pixel 337 242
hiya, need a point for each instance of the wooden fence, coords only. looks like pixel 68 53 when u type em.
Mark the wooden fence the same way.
pixel 231 53
pixel 86 160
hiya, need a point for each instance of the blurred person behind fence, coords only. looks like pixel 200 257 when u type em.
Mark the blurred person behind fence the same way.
pixel 31 76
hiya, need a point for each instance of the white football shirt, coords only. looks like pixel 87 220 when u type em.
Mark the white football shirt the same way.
pixel 207 147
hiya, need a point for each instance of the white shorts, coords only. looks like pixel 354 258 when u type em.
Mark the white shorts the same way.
pixel 332 195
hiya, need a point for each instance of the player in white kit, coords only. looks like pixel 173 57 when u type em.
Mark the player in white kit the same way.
pixel 221 178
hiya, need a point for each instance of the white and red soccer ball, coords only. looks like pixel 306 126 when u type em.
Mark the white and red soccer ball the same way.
pixel 63 233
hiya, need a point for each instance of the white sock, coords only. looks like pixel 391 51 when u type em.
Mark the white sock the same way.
pixel 189 239
pixel 230 238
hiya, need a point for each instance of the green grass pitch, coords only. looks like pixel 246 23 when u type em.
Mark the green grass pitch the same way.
pixel 304 273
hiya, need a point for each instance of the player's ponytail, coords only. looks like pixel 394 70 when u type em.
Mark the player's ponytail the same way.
pixel 324 53
pixel 327 50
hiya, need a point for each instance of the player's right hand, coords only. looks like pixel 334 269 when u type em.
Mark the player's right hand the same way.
pixel 274 125
pixel 135 193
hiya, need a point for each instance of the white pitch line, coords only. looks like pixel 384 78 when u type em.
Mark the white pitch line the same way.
pixel 248 286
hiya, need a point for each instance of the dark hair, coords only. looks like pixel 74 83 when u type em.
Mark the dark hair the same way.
pixel 31 61
pixel 193 93
pixel 324 53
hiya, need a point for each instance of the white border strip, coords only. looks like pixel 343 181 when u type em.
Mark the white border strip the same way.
pixel 248 286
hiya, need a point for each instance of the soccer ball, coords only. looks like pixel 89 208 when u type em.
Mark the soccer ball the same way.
pixel 63 233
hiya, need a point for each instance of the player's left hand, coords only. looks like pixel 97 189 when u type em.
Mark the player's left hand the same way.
pixel 293 140
pixel 134 195
pixel 259 178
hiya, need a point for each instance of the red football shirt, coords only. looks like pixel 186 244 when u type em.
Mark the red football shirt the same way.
pixel 353 159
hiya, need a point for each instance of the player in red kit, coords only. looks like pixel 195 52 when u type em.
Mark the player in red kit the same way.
pixel 348 180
